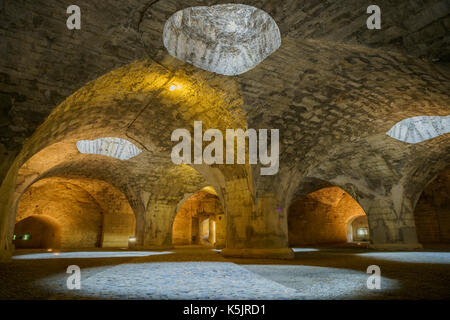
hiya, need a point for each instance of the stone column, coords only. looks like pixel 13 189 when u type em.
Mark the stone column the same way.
pixel 212 231
pixel 9 197
pixel 6 247
pixel 156 231
pixel 254 230
pixel 116 230
pixel 391 222
pixel 220 231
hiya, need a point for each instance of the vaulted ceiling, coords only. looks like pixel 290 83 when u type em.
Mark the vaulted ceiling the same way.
pixel 334 88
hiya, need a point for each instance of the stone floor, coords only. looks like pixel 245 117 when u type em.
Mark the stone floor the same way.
pixel 202 273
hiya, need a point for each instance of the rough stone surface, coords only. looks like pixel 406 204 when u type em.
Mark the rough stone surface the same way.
pixel 228 39
pixel 333 88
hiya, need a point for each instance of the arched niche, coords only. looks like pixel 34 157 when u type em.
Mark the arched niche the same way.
pixel 322 217
pixel 200 221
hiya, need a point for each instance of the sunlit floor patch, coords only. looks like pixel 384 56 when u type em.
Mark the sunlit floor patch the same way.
pixel 413 257
pixel 304 249
pixel 199 273
pixel 220 280
pixel 87 254
pixel 313 282
pixel 181 280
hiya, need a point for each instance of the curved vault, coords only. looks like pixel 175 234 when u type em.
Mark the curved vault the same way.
pixel 228 39
pixel 90 212
pixel 322 216
pixel 111 147
pixel 418 129
pixel 122 104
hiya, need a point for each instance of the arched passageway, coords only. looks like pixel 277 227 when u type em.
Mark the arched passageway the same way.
pixel 432 212
pixel 128 112
pixel 37 232
pixel 104 103
pixel 328 215
pixel 200 220
pixel 358 229
pixel 73 213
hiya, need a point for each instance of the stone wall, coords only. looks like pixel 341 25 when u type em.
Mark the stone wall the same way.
pixel 117 230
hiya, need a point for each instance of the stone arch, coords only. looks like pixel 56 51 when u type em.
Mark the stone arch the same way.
pixel 386 181
pixel 192 211
pixel 354 224
pixel 78 215
pixel 134 103
pixel 321 216
pixel 44 232
pixel 62 161
pixel 118 218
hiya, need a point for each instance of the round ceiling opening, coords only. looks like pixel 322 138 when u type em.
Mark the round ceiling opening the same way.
pixel 228 39
pixel 421 128
pixel 111 147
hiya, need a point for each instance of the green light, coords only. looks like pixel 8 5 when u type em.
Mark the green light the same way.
pixel 362 232
pixel 25 237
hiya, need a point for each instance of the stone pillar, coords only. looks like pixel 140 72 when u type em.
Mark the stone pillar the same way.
pixel 195 230
pixel 6 246
pixel 189 235
pixel 254 231
pixel 391 222
pixel 220 231
pixel 8 197
pixel 116 230
pixel 156 232
pixel 212 231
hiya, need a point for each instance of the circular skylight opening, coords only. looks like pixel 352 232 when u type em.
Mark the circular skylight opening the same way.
pixel 228 39
pixel 111 147
pixel 418 129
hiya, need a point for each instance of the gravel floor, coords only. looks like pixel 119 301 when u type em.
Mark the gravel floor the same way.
pixel 201 273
